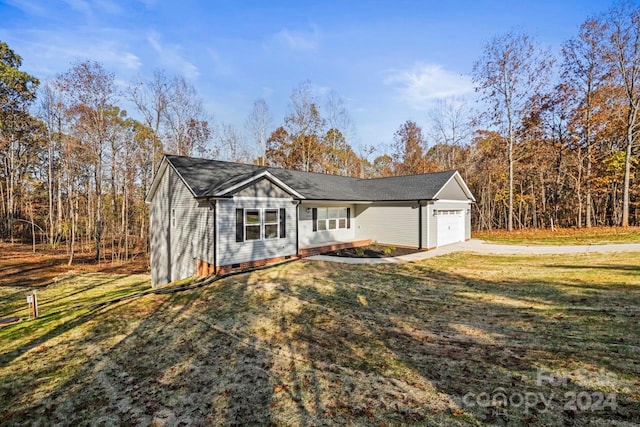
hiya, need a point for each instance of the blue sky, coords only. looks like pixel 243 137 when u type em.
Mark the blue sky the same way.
pixel 389 60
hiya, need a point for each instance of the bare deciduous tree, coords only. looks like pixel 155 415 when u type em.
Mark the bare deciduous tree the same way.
pixel 187 123
pixel 623 53
pixel 152 98
pixel 90 92
pixel 409 148
pixel 511 69
pixel 259 124
pixel 232 144
pixel 583 69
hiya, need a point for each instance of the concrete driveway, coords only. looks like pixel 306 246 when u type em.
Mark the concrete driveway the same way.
pixel 479 246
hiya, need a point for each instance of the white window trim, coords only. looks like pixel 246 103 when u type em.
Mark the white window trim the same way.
pixel 246 224
pixel 265 223
pixel 262 224
pixel 449 211
pixel 337 219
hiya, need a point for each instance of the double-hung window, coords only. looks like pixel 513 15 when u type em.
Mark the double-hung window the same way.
pixel 252 224
pixel 331 219
pixel 322 219
pixel 260 224
pixel 271 223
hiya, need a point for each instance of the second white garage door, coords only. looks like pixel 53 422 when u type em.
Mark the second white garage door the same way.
pixel 450 226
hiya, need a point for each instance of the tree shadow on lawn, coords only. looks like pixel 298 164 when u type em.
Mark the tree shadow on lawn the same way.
pixel 620 267
pixel 633 270
pixel 15 303
pixel 91 293
pixel 308 343
pixel 175 366
pixel 462 345
pixel 61 328
pixel 29 275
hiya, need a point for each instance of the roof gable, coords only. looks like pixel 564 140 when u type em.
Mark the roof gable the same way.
pixel 162 168
pixel 262 187
pixel 232 186
pixel 455 189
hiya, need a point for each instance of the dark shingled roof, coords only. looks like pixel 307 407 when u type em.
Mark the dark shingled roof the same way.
pixel 207 178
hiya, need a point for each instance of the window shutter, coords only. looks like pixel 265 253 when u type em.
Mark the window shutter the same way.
pixel 283 223
pixel 348 217
pixel 314 213
pixel 239 225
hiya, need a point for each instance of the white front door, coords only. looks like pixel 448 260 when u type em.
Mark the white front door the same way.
pixel 450 226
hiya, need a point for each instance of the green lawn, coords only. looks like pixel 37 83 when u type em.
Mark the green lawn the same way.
pixel 309 343
pixel 562 236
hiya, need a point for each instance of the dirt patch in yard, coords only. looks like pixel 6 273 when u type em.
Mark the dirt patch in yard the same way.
pixel 21 267
pixel 373 251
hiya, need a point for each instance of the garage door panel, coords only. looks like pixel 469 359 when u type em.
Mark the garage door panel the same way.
pixel 450 226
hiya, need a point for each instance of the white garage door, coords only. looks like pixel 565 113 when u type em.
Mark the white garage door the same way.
pixel 450 226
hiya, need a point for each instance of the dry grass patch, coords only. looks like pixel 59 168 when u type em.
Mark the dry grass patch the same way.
pixel 311 343
pixel 562 236
pixel 20 267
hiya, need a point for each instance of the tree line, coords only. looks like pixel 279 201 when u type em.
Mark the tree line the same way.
pixel 551 141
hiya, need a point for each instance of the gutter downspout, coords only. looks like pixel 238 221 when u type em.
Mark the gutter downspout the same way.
pixel 213 204
pixel 297 203
pixel 419 224
pixel 421 204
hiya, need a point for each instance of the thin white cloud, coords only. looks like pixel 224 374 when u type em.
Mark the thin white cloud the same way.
pixel 112 54
pixel 170 56
pixel 421 85
pixel 109 7
pixel 89 9
pixel 28 6
pixel 219 65
pixel 267 91
pixel 80 6
pixel 319 90
pixel 121 84
pixel 302 41
pixel 149 4
pixel 48 52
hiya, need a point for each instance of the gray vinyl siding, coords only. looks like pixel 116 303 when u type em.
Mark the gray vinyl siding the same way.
pixel 310 238
pixel 232 252
pixel 452 191
pixel 159 234
pixel 395 224
pixel 262 188
pixel 433 225
pixel 175 249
